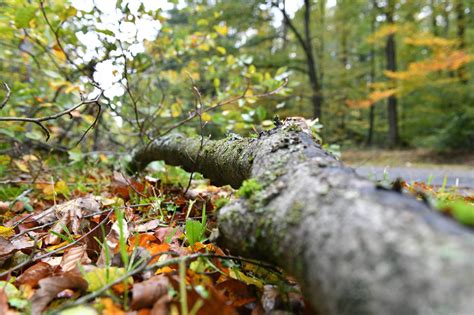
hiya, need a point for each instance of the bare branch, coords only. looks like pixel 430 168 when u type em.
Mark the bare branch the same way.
pixel 7 96
pixel 292 26
pixel 225 102
pixel 39 121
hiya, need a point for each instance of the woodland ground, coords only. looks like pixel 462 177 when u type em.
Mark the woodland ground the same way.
pixel 456 168
pixel 61 260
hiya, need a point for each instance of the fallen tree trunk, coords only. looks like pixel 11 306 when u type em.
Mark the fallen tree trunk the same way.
pixel 355 248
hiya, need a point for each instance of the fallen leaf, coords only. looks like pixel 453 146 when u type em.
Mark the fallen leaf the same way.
pixel 52 286
pixel 79 310
pixel 6 247
pixel 4 206
pixel 6 231
pixel 110 308
pixel 34 274
pixel 239 275
pixel 22 166
pixel 162 306
pixel 73 256
pixel 123 186
pixel 68 214
pixel 148 226
pixel 237 292
pixel 99 277
pixel 146 293
pixel 4 309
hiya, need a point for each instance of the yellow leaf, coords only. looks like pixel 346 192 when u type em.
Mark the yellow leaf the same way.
pixel 71 88
pixel 221 29
pixel 165 269
pixel 252 69
pixel 206 117
pixel 29 157
pixel 61 188
pixel 203 47
pixel 22 166
pixel 175 110
pixel 89 119
pixel 238 275
pixel 103 158
pixel 58 52
pixel 383 32
pixel 230 60
pixel 221 50
pixel 100 277
pixel 6 231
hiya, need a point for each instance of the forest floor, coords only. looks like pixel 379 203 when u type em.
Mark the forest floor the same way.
pixel 79 235
pixel 419 157
pixel 437 169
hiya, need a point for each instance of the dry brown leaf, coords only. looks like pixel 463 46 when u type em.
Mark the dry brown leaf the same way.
pixel 3 302
pixel 162 306
pixel 67 214
pixel 72 256
pixel 237 292
pixel 22 242
pixel 52 286
pixel 145 294
pixel 6 247
pixel 4 206
pixel 122 186
pixel 35 273
pixel 148 226
pixel 112 241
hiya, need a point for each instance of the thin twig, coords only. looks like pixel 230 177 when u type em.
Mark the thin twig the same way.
pixel 33 259
pixel 225 102
pixel 39 121
pixel 145 267
pixel 7 96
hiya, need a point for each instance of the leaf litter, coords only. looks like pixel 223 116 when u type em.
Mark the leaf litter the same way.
pixel 101 242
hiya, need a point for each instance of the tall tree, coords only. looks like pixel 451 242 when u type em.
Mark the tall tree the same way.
pixel 391 65
pixel 461 34
pixel 373 20
pixel 306 42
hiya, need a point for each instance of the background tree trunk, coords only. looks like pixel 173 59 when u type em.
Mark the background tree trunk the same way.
pixel 355 248
pixel 391 56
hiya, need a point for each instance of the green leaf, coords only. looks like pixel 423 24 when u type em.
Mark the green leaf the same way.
pixel 100 277
pixel 79 310
pixel 194 231
pixel 24 15
pixel 280 71
pixel 106 32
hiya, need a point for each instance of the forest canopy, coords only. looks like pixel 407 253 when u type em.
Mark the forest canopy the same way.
pixel 384 73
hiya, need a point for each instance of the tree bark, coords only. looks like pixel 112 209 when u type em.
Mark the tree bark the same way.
pixel 306 43
pixel 373 21
pixel 461 34
pixel 355 248
pixel 391 56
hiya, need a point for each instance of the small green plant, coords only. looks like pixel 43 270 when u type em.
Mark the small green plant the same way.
pixel 221 202
pixel 119 213
pixel 195 230
pixel 248 188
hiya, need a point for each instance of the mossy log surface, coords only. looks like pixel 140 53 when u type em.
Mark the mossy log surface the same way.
pixel 355 248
